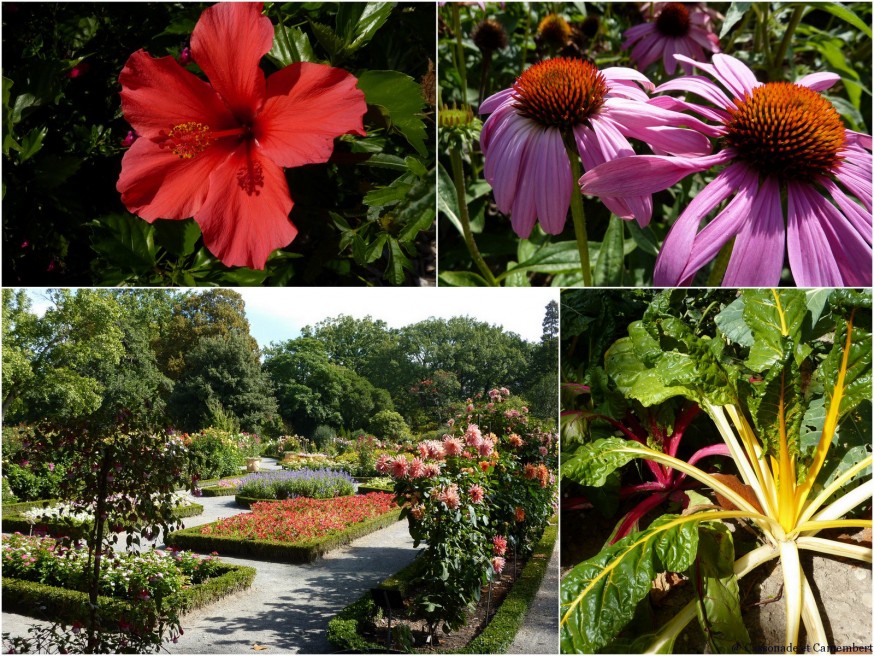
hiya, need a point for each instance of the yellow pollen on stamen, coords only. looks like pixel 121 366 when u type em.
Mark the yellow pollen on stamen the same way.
pixel 560 92
pixel 187 140
pixel 787 131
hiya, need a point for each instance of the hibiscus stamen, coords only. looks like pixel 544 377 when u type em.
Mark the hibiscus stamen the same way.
pixel 787 131
pixel 187 140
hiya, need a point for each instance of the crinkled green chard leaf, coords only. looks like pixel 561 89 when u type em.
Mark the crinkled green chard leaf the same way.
pixel 773 316
pixel 857 380
pixel 592 463
pixel 716 587
pixel 598 596
pixel 777 405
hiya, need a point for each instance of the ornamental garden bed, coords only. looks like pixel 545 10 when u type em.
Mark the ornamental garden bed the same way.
pixel 492 623
pixel 42 578
pixel 277 485
pixel 60 524
pixel 298 530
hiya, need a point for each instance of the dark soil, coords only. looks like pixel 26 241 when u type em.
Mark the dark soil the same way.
pixel 477 618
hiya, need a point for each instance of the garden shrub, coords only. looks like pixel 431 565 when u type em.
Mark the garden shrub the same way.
pixel 213 453
pixel 324 437
pixel 314 483
pixel 389 425
pixel 30 482
pixel 8 496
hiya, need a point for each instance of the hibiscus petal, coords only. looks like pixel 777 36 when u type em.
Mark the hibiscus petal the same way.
pixel 308 106
pixel 757 256
pixel 156 184
pixel 158 94
pixel 245 216
pixel 228 43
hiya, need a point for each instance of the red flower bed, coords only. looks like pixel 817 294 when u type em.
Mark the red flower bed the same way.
pixel 301 518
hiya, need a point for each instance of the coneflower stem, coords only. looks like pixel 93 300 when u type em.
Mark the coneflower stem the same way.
pixel 464 217
pixel 577 212
pixel 459 51
pixel 784 44
pixel 720 265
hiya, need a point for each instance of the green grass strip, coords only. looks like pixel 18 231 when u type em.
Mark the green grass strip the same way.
pixel 47 601
pixel 273 550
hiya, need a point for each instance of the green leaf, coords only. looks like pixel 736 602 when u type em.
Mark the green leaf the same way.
pixel 846 15
pixel 291 45
pixel 125 241
pixel 329 40
pixel 719 600
pixel 53 170
pixel 643 237
pixel 634 379
pixel 31 143
pixel 400 99
pixel 374 250
pixel 178 237
pixel 857 380
pixel 599 596
pixel 591 464
pixel 731 323
pixel 447 201
pixel 397 262
pixel 552 258
pixel 766 319
pixel 358 22
pixel 390 195
pixel 610 263
pixel 780 388
pixel 735 12
pixel 462 279
pixel 243 277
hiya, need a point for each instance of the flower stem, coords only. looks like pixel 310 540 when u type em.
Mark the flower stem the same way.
pixel 459 51
pixel 720 265
pixel 458 179
pixel 784 44
pixel 577 212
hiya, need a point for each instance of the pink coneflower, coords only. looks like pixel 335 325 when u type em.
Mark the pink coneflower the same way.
pixel 561 99
pixel 477 493
pixel 779 137
pixel 675 28
pixel 452 446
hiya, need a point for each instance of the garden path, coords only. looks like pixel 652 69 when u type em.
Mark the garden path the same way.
pixel 539 632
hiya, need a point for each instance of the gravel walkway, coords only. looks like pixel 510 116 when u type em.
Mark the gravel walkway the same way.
pixel 288 607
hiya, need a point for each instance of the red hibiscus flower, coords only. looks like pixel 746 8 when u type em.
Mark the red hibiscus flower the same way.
pixel 215 151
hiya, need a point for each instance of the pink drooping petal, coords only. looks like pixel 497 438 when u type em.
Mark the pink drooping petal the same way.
pixel 858 218
pixel 228 43
pixel 614 146
pixel 523 212
pixel 656 127
pixel 818 81
pixel 158 94
pixel 555 185
pixel 757 256
pixel 810 256
pixel 668 51
pixel 677 247
pixel 701 86
pixel 496 123
pixel 504 158
pixel 156 184
pixel 857 138
pixel 647 51
pixel 645 174
pixel 637 32
pixel 719 116
pixel 589 149
pixel 735 74
pixel 245 216
pixel 496 100
pixel 308 106
pixel 623 73
pixel 857 182
pixel 850 250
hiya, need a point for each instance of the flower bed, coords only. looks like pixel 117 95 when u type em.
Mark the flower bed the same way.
pixel 298 530
pixel 345 629
pixel 53 517
pixel 40 577
pixel 313 483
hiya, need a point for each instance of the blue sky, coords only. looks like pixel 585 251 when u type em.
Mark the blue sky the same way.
pixel 280 314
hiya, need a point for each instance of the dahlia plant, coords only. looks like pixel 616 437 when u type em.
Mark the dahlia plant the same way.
pixel 811 364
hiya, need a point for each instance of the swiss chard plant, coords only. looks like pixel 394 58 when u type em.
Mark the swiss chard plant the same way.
pixel 785 377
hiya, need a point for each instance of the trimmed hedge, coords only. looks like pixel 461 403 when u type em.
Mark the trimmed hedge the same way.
pixel 40 600
pixel 496 637
pixel 218 491
pixel 274 550
pixel 13 519
pixel 364 489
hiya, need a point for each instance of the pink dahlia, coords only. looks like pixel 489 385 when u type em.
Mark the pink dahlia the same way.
pixel 500 545
pixel 473 436
pixel 452 446
pixel 477 493
pixel 432 470
pixel 780 138
pixel 561 101
pixel 398 466
pixel 498 563
pixel 417 468
pixel 675 28
pixel 449 496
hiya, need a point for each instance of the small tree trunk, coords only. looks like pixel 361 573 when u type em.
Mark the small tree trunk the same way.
pixel 99 526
